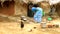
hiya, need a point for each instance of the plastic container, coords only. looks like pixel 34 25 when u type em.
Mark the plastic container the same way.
pixel 43 25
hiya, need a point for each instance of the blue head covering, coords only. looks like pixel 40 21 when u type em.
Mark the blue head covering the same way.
pixel 38 15
pixel 33 9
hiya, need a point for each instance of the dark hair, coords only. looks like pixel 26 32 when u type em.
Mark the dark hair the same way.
pixel 35 5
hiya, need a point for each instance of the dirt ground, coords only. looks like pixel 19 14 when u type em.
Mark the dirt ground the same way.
pixel 14 28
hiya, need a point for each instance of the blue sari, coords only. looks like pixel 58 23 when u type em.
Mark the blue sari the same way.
pixel 38 14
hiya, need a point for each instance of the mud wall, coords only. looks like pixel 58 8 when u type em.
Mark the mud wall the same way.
pixel 7 8
pixel 45 5
pixel 20 8
pixel 58 9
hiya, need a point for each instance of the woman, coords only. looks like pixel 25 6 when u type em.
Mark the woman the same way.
pixel 38 14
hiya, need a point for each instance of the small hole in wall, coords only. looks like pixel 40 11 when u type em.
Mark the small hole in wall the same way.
pixel 6 4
